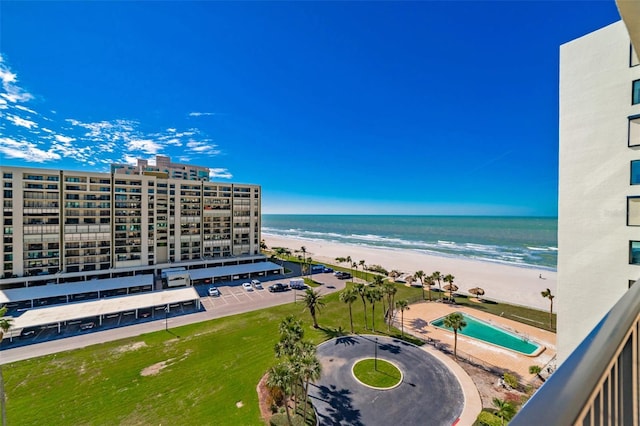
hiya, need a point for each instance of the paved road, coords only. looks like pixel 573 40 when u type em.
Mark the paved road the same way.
pixel 233 300
pixel 429 394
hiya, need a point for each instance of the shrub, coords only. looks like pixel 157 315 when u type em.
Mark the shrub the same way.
pixel 485 418
pixel 281 420
pixel 511 380
pixel 377 268
pixel 534 369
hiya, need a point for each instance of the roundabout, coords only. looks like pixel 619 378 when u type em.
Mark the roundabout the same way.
pixel 427 391
pixel 377 373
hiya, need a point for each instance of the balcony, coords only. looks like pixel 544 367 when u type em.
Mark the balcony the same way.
pixel 599 383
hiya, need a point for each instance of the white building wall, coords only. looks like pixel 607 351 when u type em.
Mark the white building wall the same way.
pixel 593 237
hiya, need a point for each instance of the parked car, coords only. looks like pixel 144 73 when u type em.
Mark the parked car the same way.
pixel 343 275
pixel 213 291
pixel 297 284
pixel 326 270
pixel 257 284
pixel 277 287
pixel 247 286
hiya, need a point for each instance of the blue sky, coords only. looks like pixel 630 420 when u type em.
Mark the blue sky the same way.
pixel 333 107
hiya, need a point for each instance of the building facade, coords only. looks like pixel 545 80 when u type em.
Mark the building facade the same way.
pixel 163 168
pixel 71 222
pixel 599 180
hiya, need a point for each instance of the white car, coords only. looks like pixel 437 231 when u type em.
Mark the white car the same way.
pixel 213 291
pixel 257 284
pixel 247 286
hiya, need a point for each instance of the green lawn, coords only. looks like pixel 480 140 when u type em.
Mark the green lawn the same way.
pixel 210 368
pixel 377 373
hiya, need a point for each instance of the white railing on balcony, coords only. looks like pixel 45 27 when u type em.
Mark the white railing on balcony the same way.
pixel 598 383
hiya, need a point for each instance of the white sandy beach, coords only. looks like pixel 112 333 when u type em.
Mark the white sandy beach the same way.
pixel 501 282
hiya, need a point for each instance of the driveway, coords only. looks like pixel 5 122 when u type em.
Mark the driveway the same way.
pixel 429 393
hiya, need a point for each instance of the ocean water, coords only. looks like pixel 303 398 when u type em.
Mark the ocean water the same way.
pixel 520 241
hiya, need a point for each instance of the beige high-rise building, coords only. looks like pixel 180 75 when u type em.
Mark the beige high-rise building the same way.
pixel 68 222
pixel 599 191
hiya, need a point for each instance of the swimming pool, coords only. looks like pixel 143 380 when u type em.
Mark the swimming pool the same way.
pixel 488 333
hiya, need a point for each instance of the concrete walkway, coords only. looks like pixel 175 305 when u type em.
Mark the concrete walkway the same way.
pixel 432 391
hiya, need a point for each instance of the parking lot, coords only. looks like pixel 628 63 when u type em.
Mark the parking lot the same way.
pixel 234 298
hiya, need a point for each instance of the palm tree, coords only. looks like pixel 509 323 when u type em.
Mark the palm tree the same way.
pixel 310 369
pixel 362 263
pixel 420 275
pixel 349 296
pixel 374 294
pixel 402 305
pixel 504 409
pixel 281 376
pixel 303 250
pixel 313 301
pixel 354 265
pixel 390 291
pixel 455 321
pixel 378 280
pixel 437 276
pixel 5 325
pixel 291 334
pixel 348 261
pixel 280 253
pixel 449 279
pixel 429 281
pixel 263 245
pixel 547 295
pixel 361 290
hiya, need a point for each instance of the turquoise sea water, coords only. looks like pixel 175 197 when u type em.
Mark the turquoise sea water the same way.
pixel 490 334
pixel 520 241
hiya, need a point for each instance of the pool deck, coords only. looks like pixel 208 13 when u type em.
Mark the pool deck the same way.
pixel 418 317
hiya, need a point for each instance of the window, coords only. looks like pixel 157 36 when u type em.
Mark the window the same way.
pixel 633 57
pixel 634 252
pixel 634 130
pixel 633 211
pixel 635 172
pixel 635 95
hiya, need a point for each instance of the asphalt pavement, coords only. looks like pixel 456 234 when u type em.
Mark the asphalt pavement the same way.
pixel 429 393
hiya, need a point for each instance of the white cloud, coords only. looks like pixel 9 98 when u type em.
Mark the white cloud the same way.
pixel 10 90
pixel 171 130
pixel 202 147
pixel 64 139
pixel 24 108
pixel 200 114
pixel 147 146
pixel 26 151
pixel 220 174
pixel 21 121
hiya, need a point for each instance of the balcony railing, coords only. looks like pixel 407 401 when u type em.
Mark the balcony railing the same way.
pixel 598 384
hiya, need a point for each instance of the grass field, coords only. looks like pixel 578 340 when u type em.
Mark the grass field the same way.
pixel 377 373
pixel 206 376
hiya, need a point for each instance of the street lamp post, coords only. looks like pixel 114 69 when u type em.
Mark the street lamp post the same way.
pixel 166 314
pixel 375 358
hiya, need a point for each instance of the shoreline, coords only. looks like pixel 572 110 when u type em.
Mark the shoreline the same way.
pixel 501 282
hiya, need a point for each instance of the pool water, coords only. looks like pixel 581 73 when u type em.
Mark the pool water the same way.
pixel 486 332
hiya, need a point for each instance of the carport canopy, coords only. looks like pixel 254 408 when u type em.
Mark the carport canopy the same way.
pixel 82 310
pixel 67 289
pixel 230 270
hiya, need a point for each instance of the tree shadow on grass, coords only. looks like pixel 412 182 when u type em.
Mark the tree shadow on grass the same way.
pixel 331 333
pixel 340 410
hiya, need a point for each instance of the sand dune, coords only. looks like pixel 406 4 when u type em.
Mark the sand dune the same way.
pixel 501 282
